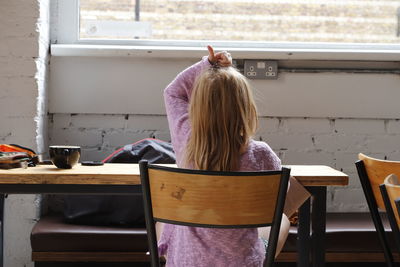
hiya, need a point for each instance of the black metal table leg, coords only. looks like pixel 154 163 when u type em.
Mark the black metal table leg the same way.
pixel 318 218
pixel 303 235
pixel 1 229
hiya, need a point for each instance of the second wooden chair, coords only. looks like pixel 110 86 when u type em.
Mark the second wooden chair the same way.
pixel 372 173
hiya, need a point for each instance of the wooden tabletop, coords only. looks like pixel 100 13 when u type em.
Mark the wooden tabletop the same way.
pixel 125 174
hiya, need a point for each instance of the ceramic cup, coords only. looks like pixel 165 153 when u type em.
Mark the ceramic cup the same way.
pixel 64 157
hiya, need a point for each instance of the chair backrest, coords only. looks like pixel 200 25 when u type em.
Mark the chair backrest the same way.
pixel 214 199
pixel 372 173
pixel 377 170
pixel 392 185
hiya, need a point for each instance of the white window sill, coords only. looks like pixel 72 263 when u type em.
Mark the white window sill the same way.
pixel 283 52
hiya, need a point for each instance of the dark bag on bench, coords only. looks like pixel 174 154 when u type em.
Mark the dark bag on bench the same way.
pixel 123 210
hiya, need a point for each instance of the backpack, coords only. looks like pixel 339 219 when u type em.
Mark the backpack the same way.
pixel 121 210
pixel 16 156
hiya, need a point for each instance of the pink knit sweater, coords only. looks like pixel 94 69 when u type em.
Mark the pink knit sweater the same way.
pixel 192 246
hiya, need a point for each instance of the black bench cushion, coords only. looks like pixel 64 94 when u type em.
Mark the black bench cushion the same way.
pixel 51 233
pixel 347 232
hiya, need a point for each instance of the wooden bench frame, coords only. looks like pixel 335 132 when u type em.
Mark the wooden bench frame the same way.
pixel 341 257
pixel 141 257
pixel 72 256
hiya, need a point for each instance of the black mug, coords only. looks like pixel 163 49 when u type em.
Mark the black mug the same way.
pixel 64 157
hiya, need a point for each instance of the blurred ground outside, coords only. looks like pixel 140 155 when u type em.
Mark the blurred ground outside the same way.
pixel 341 21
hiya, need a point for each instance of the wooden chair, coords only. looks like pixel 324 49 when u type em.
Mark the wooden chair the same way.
pixel 237 199
pixel 372 173
pixel 390 191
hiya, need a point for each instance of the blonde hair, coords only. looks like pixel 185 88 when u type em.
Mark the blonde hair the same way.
pixel 223 118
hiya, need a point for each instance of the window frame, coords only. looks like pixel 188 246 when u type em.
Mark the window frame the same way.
pixel 67 43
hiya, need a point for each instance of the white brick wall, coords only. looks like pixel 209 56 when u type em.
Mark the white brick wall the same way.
pixel 100 135
pixel 327 141
pixel 23 64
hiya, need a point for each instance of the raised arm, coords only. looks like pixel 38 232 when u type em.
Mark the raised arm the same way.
pixel 177 97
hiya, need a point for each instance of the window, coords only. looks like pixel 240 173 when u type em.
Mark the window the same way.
pixel 327 21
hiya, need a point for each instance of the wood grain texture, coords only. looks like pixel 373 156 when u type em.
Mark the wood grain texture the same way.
pixel 318 175
pixel 123 174
pixel 142 257
pixel 113 173
pixel 377 171
pixel 213 200
pixel 341 257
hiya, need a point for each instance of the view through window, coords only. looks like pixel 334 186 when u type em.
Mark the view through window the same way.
pixel 331 21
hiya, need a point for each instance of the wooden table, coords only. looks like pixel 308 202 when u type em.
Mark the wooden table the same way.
pixel 124 178
pixel 316 179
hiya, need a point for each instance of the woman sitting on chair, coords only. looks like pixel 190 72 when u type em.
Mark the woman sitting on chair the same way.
pixel 212 117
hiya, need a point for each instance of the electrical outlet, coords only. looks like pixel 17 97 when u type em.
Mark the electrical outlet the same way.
pixel 261 69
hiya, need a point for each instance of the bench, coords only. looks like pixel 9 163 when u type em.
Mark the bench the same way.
pixel 54 241
pixel 350 237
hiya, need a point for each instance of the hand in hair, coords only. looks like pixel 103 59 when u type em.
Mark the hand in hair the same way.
pixel 222 59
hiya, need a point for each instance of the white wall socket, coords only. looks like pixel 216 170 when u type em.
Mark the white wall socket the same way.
pixel 261 69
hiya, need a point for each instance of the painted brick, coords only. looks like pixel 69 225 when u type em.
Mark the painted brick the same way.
pixel 363 126
pixel 20 7
pixel 341 142
pixel 19 47
pixel 384 143
pixel 121 138
pixel 17 67
pixel 18 106
pixel 19 26
pixel 345 199
pixel 267 125
pixel 393 126
pixel 13 87
pixel 308 157
pixel 17 227
pixel 22 95
pixel 19 130
pixel 354 180
pixel 141 122
pixel 393 156
pixel 98 121
pixel 59 121
pixel 289 141
pixel 9 48
pixel 307 125
pixel 80 137
pixel 345 161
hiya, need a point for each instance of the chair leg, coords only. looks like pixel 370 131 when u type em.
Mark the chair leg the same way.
pixel 373 208
pixel 150 223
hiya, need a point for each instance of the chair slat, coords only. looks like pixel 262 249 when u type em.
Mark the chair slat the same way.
pixel 189 198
